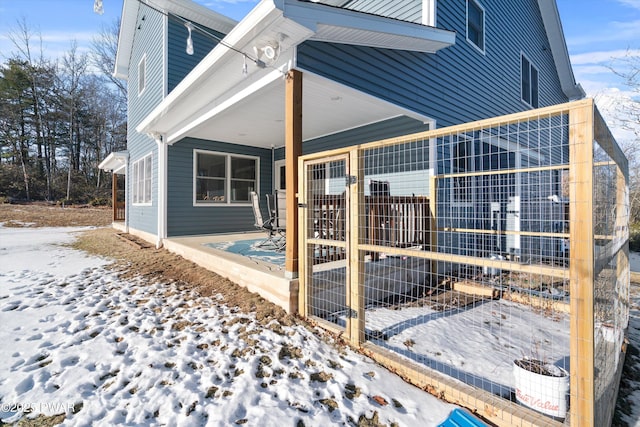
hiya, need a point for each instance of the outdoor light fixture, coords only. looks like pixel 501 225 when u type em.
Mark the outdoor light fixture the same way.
pixel 269 51
pixel 245 69
pixel 97 7
pixel 189 26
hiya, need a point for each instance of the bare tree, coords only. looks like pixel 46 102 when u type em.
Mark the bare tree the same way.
pixel 74 69
pixel 104 48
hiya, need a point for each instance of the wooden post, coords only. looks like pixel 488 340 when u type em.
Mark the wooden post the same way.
pixel 356 236
pixel 114 195
pixel 293 150
pixel 581 264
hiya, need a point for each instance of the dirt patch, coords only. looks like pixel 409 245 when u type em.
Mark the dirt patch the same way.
pixel 161 265
pixel 45 215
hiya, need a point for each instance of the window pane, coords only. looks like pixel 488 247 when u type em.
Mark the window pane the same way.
pixel 147 179
pixel 211 165
pixel 134 182
pixel 140 183
pixel 475 24
pixel 534 87
pixel 475 15
pixel 240 190
pixel 526 79
pixel 210 190
pixel 243 168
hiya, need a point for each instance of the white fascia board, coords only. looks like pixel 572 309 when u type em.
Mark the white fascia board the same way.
pixel 298 20
pixel 115 162
pixel 321 19
pixel 555 34
pixel 125 38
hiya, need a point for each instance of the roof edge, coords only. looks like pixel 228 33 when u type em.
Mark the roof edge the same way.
pixel 115 162
pixel 555 34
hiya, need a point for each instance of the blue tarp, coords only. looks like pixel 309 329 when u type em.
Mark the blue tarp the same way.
pixel 461 418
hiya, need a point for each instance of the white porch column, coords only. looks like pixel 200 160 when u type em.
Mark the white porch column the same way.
pixel 161 233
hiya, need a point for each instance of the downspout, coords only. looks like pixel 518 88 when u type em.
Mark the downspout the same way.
pixel 161 233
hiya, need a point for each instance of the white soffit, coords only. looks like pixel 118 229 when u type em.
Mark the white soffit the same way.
pixel 362 37
pixel 115 162
pixel 327 108
pixel 336 25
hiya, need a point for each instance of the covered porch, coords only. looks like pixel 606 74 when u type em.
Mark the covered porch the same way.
pixel 256 274
pixel 257 94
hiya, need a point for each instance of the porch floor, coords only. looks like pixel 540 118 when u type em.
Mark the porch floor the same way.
pixel 255 273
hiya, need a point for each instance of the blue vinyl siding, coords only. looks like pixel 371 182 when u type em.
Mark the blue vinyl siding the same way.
pixel 149 43
pixel 185 219
pixel 179 64
pixel 458 84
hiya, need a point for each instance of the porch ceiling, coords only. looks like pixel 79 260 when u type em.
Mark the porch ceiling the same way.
pixel 327 108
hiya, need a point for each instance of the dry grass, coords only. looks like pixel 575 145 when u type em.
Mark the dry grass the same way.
pixel 45 215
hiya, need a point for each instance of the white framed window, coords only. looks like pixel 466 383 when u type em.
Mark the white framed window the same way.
pixel 224 179
pixel 475 25
pixel 141 174
pixel 142 74
pixel 528 82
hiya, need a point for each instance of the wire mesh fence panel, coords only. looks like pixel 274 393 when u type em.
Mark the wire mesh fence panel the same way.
pixel 611 276
pixel 326 201
pixel 499 198
pixel 490 258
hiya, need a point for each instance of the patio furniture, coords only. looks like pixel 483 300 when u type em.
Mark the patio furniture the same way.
pixel 280 217
pixel 273 240
pixel 271 205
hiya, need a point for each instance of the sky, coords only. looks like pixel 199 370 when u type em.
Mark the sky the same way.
pixel 598 34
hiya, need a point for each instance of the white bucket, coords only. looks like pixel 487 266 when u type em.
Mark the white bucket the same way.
pixel 543 393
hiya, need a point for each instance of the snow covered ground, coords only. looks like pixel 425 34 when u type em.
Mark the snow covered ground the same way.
pixel 78 340
pixel 487 339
